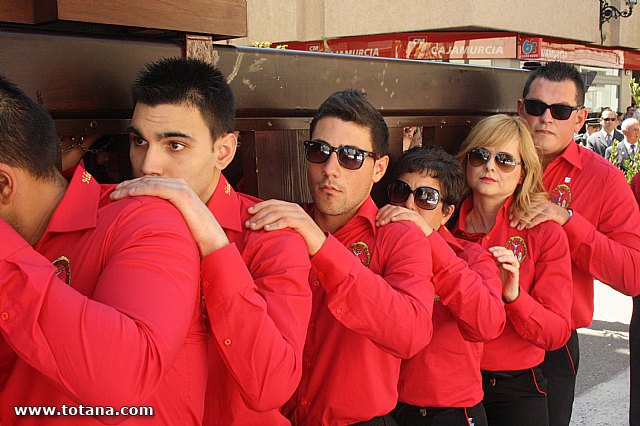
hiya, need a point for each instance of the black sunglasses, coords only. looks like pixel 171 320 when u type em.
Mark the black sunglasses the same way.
pixel 609 119
pixel 425 197
pixel 480 156
pixel 318 151
pixel 558 111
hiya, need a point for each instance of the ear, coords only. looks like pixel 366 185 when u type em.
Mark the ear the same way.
pixel 380 168
pixel 521 107
pixel 225 149
pixel 581 116
pixel 447 212
pixel 7 184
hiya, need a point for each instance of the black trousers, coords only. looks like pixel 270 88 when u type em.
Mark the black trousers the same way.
pixel 411 415
pixel 515 397
pixel 634 363
pixel 379 421
pixel 560 368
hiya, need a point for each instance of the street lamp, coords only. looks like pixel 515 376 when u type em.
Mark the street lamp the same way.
pixel 608 12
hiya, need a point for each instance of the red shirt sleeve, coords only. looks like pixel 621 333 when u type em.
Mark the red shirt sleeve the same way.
pixel 115 347
pixel 635 187
pixel 393 310
pixel 610 252
pixel 543 316
pixel 259 304
pixel 472 291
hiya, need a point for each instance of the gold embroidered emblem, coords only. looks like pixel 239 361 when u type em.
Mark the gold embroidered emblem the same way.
pixel 561 195
pixel 86 177
pixel 436 298
pixel 63 269
pixel 361 250
pixel 227 188
pixel 518 246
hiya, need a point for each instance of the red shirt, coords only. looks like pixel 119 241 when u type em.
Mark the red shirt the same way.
pixel 364 319
pixel 258 298
pixel 604 232
pixel 468 310
pixel 115 321
pixel 539 319
pixel 635 187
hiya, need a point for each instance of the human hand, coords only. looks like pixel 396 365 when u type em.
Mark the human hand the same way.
pixel 509 272
pixel 541 211
pixel 391 213
pixel 204 227
pixel 272 215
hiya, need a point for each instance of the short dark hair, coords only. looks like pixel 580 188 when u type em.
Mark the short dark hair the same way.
pixel 28 138
pixel 351 105
pixel 193 82
pixel 437 164
pixel 557 71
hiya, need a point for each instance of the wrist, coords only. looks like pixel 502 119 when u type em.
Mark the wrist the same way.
pixel 511 296
pixel 569 215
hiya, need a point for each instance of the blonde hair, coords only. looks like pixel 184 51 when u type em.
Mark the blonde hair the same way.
pixel 498 130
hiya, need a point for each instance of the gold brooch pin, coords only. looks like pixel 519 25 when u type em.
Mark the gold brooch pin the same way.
pixel 227 188
pixel 86 177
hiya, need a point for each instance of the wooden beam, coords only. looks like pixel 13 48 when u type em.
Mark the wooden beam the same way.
pixel 220 17
pixel 28 11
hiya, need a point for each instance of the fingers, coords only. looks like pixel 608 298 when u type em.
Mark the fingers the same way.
pixel 389 213
pixel 275 214
pixel 167 188
pixel 505 258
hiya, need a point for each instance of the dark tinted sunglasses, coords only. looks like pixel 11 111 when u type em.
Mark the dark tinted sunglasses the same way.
pixel 558 111
pixel 318 151
pixel 608 119
pixel 425 197
pixel 480 156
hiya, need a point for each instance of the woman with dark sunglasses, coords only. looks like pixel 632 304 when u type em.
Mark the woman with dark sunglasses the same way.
pixel 504 174
pixel 442 385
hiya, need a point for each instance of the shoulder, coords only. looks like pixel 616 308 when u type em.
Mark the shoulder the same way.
pixel 594 137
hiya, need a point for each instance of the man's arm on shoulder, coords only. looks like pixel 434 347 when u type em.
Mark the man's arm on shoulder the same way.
pixel 115 347
pixel 610 250
pixel 394 309
pixel 259 304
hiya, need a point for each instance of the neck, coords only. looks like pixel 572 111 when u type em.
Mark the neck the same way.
pixel 482 216
pixel 330 223
pixel 38 213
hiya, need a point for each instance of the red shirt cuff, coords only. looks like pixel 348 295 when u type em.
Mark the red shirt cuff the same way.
pixel 577 229
pixel 333 263
pixel 224 274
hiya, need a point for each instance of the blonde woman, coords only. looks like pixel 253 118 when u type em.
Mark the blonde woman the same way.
pixel 504 174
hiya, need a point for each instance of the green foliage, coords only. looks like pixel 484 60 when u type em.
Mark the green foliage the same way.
pixel 629 166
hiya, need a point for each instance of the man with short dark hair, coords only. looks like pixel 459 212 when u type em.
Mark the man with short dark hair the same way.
pixel 99 300
pixel 372 291
pixel 254 283
pixel 600 141
pixel 588 195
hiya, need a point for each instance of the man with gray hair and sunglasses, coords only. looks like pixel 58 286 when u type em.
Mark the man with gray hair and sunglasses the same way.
pixel 586 196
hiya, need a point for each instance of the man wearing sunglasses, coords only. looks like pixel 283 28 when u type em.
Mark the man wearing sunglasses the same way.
pixel 587 194
pixel 428 186
pixel 628 148
pixel 372 291
pixel 254 283
pixel 600 141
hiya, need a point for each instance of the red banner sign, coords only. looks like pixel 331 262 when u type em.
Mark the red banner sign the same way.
pixel 418 45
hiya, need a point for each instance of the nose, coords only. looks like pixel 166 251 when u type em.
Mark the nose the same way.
pixel 150 164
pixel 331 167
pixel 546 116
pixel 410 203
pixel 491 163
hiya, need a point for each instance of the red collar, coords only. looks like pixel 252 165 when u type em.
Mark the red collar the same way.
pixel 78 208
pixel 225 206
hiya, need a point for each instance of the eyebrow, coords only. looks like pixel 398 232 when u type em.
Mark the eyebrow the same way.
pixel 165 135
